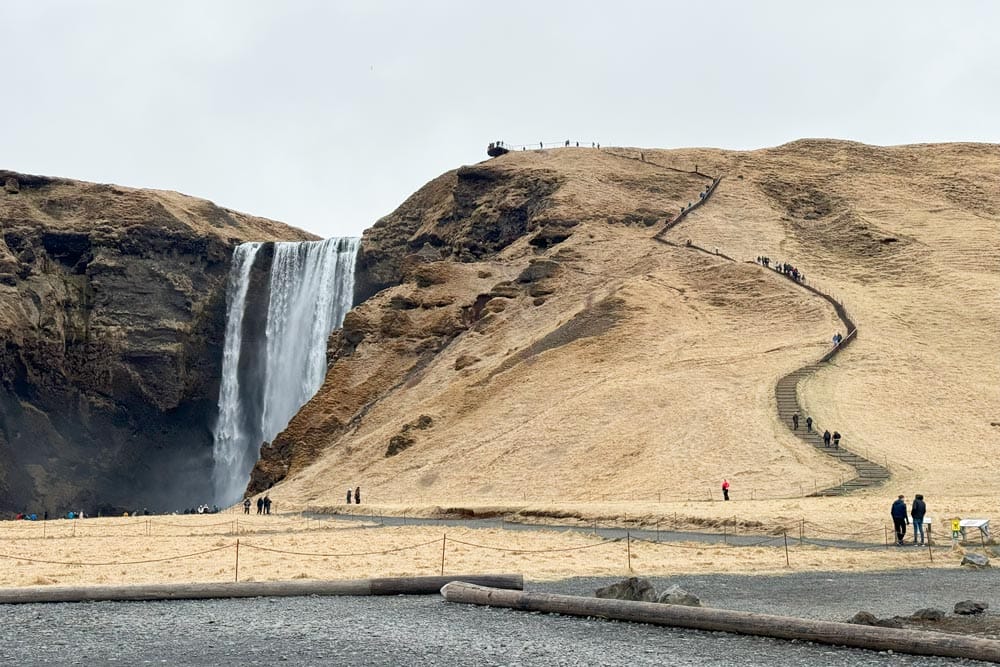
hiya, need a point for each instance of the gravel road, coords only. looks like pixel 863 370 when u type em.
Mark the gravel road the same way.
pixel 429 631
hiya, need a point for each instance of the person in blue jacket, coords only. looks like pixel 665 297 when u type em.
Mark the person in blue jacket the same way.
pixel 899 519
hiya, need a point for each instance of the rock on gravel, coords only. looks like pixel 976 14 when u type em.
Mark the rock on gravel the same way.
pixel 677 595
pixel 928 614
pixel 632 589
pixel 969 607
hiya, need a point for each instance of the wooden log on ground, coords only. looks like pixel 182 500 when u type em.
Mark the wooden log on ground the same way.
pixel 917 642
pixel 251 589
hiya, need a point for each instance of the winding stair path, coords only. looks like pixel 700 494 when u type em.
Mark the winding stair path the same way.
pixel 869 473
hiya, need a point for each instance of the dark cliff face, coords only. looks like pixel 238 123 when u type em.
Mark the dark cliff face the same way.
pixel 112 306
pixel 465 215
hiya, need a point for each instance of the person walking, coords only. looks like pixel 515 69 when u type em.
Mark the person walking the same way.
pixel 357 495
pixel 917 512
pixel 348 496
pixel 725 489
pixel 809 424
pixel 795 421
pixel 826 438
pixel 267 504
pixel 246 506
pixel 899 519
pixel 260 505
pixel 836 439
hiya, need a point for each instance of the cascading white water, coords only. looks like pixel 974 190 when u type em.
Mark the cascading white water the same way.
pixel 310 290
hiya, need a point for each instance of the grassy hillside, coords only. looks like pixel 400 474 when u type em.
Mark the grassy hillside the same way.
pixel 631 368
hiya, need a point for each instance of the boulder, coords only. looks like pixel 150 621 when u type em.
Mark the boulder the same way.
pixel 505 290
pixel 677 595
pixel 633 588
pixel 538 270
pixel 970 607
pixel 928 614
pixel 11 185
pixel 975 561
pixel 495 305
pixel 863 618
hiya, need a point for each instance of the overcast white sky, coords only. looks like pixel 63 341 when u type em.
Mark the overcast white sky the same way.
pixel 327 115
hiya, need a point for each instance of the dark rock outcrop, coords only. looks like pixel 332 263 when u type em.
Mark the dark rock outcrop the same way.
pixel 465 215
pixel 112 312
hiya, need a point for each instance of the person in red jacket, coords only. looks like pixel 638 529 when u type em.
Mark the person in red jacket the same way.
pixel 725 489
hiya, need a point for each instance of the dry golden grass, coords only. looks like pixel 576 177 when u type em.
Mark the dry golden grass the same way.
pixel 677 392
pixel 203 549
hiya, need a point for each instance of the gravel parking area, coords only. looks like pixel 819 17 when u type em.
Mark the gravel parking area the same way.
pixel 429 631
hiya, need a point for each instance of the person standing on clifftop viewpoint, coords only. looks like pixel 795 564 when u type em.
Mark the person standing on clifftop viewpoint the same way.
pixel 725 489
pixel 246 506
pixel 899 519
pixel 260 505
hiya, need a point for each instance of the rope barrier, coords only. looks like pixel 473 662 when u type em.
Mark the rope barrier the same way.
pixel 342 555
pixel 132 562
pixel 536 551
pixel 192 525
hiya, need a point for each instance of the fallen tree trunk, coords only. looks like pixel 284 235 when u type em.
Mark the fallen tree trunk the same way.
pixel 251 589
pixel 721 620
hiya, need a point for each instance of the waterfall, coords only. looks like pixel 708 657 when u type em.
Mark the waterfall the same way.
pixel 272 365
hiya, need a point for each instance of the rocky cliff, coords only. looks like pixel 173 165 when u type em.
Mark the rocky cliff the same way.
pixel 112 312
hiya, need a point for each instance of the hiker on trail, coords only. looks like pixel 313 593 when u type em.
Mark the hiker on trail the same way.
pixel 836 439
pixel 357 495
pixel 826 438
pixel 246 506
pixel 725 489
pixel 956 530
pixel 899 519
pixel 795 421
pixel 348 496
pixel 809 424
pixel 917 511
pixel 260 505
pixel 540 146
pixel 267 504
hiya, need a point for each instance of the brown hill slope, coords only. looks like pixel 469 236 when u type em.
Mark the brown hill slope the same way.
pixel 560 354
pixel 112 308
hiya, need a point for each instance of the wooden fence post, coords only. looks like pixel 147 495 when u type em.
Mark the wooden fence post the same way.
pixel 628 548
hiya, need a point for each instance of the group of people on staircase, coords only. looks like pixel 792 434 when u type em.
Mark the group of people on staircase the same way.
pixel 784 268
pixel 828 438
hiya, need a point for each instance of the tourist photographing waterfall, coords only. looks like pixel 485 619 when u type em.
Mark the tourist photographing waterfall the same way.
pixel 274 359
